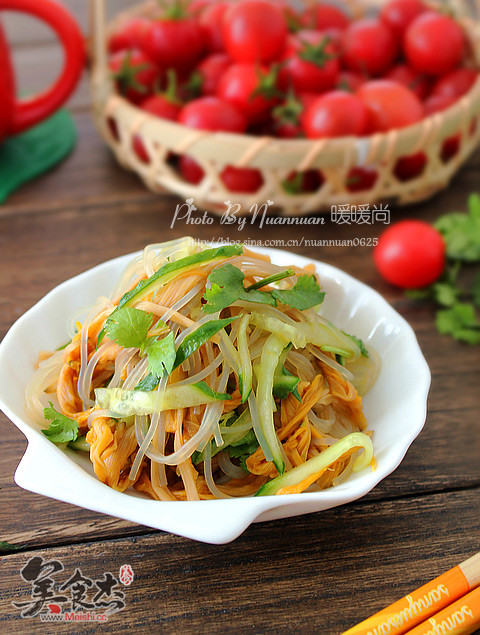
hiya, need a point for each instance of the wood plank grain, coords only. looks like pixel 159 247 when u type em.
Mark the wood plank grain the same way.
pixel 341 566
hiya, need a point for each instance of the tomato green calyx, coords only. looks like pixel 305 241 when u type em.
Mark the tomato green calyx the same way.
pixel 126 75
pixel 316 53
pixel 267 83
pixel 171 91
pixel 290 111
pixel 176 10
pixel 194 85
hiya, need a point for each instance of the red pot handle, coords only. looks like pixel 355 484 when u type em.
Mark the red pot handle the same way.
pixel 31 110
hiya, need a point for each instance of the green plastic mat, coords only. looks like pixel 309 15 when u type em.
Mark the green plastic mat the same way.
pixel 26 156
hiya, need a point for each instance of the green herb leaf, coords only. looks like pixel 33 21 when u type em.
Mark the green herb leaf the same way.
pixel 161 355
pixel 62 429
pixel 359 343
pixel 227 287
pixel 198 338
pixel 460 322
pixel 128 327
pixel 276 277
pixel 305 294
pixel 462 232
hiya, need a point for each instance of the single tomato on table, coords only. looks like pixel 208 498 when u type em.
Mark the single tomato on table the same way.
pixel 410 254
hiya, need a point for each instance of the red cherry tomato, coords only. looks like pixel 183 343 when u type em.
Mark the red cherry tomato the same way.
pixel 311 63
pixel 434 44
pixel 254 31
pixel 410 254
pixel 176 43
pixel 410 167
pixel 129 35
pixel 248 180
pixel 437 103
pixel 336 114
pixel 399 14
pixel 324 16
pixel 211 113
pixel 455 84
pixel 211 21
pixel 251 88
pixel 303 182
pixel 190 170
pixel 134 73
pixel 350 81
pixel 390 105
pixel 162 105
pixel 211 70
pixel 360 179
pixel 405 75
pixel 369 47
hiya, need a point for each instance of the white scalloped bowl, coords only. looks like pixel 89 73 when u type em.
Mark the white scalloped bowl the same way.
pixel 395 408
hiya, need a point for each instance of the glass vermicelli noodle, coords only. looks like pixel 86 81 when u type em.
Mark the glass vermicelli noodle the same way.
pixel 209 373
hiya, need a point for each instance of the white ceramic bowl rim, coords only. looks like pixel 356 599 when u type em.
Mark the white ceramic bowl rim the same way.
pixel 395 408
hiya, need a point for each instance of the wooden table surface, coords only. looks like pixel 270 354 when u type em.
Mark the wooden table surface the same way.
pixel 317 573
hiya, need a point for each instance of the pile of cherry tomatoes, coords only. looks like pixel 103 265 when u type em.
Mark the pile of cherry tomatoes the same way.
pixel 259 67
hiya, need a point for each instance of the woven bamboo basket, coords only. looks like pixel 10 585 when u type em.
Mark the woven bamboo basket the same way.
pixel 278 158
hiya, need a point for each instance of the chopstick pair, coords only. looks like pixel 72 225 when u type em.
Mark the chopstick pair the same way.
pixel 449 604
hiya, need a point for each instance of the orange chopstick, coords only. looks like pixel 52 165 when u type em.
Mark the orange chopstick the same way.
pixel 421 604
pixel 460 618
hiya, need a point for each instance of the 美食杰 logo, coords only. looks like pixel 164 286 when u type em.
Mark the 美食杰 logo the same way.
pixel 56 596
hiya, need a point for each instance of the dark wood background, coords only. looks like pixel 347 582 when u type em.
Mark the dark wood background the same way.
pixel 322 572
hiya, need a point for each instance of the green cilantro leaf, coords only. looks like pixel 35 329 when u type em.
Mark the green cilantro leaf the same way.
pixel 305 294
pixel 128 327
pixel 227 287
pixel 161 354
pixel 62 429
pixel 462 232
pixel 460 322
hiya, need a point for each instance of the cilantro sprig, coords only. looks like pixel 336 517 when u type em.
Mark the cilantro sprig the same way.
pixel 226 286
pixel 62 429
pixel 458 296
pixel 129 328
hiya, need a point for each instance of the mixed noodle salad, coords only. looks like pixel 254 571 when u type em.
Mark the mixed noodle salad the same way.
pixel 209 373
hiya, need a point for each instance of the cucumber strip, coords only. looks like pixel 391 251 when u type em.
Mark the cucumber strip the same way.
pixel 170 270
pixel 230 436
pixel 304 333
pixel 124 403
pixel 198 338
pixel 80 444
pixel 321 462
pixel 245 376
pixel 272 350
